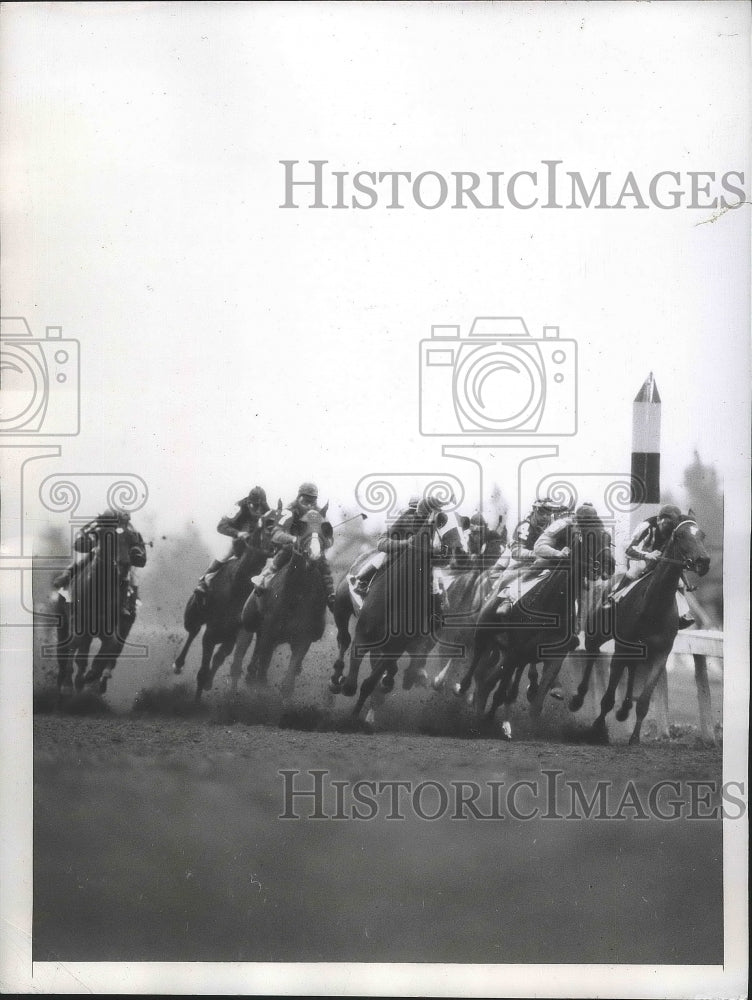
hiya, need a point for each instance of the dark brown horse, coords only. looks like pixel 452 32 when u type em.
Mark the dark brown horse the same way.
pixel 643 625
pixel 102 606
pixel 540 626
pixel 293 610
pixel 395 620
pixel 218 612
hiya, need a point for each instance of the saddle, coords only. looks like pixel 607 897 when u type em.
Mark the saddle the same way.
pixel 514 591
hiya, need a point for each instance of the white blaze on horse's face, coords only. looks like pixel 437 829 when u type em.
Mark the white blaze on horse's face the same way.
pixel 314 546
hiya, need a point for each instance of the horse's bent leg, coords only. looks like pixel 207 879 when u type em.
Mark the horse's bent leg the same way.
pixel 179 662
pixel 626 706
pixel 643 702
pixel 350 685
pixel 439 681
pixel 220 655
pixel 577 700
pixel 378 666
pixel 480 650
pixel 415 672
pixel 609 698
pixel 532 687
pixel 549 674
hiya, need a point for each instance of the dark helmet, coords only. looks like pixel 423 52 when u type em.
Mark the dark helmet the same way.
pixel 428 505
pixel 308 490
pixel 113 515
pixel 670 511
pixel 257 498
pixel 414 500
pixel 586 513
pixel 478 521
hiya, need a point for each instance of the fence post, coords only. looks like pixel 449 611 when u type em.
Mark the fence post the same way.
pixel 703 698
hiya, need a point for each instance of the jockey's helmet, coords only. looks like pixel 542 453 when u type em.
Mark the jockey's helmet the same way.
pixel 114 515
pixel 586 513
pixel 256 500
pixel 414 500
pixel 308 490
pixel 670 512
pixel 477 521
pixel 428 505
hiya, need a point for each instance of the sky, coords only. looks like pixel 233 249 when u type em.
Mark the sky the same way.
pixel 225 341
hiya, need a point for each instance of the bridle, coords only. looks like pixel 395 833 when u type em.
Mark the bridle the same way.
pixel 688 563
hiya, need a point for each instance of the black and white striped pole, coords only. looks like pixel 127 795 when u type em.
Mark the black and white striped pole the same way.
pixel 646 452
pixel 646 496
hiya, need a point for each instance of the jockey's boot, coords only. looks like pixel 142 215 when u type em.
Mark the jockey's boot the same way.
pixel 261 580
pixel 362 580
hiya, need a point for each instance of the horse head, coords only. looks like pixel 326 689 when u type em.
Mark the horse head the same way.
pixel 315 537
pixel 685 547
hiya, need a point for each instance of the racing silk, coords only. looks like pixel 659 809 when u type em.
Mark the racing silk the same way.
pixel 243 520
pixel 555 537
pixel 398 534
pixel 524 538
pixel 647 537
pixel 289 527
pixel 87 540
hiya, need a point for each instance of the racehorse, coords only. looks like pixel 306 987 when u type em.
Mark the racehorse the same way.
pixel 396 617
pixel 644 624
pixel 293 610
pixel 102 606
pixel 218 612
pixel 539 625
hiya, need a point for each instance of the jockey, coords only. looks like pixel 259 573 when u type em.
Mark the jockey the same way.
pixel 405 519
pixel 525 535
pixel 286 533
pixel 237 527
pixel 644 551
pixel 485 544
pixel 87 542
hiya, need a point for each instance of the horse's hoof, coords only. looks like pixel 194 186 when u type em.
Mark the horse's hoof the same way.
pixel 176 669
pixel 458 690
pixel 598 733
pixel 506 731
pixel 349 688
pixel 532 692
pixel 622 715
pixel 576 702
pixel 438 685
pixel 335 686
pixel 634 740
pixel 66 690
pixel 557 693
pixel 387 682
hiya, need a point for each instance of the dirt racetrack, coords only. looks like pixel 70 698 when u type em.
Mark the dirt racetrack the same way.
pixel 158 837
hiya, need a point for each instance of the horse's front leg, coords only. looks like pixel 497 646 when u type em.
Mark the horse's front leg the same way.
pixel 549 675
pixel 626 706
pixel 203 677
pixel 242 642
pixel 657 666
pixel 598 729
pixel 82 648
pixel 577 700
pixel 481 646
pixel 378 666
pixel 219 657
pixel 179 661
pixel 350 684
pixel 342 615
pixel 298 650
